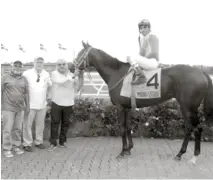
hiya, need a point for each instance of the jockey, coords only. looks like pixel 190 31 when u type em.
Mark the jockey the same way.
pixel 148 57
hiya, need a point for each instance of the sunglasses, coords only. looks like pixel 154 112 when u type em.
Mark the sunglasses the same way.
pixel 38 78
pixel 61 64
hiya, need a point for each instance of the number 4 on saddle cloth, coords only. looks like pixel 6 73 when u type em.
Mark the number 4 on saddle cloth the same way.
pixel 148 90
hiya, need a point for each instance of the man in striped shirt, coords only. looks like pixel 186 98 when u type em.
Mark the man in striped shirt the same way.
pixel 15 100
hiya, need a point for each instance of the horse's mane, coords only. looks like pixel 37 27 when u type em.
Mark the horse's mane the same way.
pixel 108 59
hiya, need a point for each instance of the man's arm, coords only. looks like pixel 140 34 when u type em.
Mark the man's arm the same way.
pixel 154 44
pixel 79 81
pixel 2 85
pixel 57 80
pixel 49 89
pixel 26 95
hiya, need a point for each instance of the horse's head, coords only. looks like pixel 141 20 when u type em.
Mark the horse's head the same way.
pixel 81 62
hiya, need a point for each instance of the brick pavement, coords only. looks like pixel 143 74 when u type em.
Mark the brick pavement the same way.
pixel 96 158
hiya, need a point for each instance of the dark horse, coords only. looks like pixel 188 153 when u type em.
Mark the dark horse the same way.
pixel 187 84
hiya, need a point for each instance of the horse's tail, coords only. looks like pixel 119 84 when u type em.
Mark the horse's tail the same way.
pixel 208 100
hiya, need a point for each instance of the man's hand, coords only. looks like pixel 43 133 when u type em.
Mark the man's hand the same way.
pixel 76 73
pixel 49 102
pixel 27 110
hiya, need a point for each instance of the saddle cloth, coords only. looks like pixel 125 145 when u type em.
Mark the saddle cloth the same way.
pixel 150 89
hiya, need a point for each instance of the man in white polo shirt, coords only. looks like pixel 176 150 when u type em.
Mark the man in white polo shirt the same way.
pixel 63 85
pixel 39 83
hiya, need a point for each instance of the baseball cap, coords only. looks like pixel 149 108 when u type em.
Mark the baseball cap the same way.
pixel 18 62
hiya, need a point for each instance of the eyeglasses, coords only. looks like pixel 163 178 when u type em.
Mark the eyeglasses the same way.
pixel 38 78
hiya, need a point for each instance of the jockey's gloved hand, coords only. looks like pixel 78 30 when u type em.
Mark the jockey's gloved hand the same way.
pixel 132 62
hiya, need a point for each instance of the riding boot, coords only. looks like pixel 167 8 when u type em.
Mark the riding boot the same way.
pixel 140 77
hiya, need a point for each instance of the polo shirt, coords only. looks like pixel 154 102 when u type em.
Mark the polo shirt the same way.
pixel 37 90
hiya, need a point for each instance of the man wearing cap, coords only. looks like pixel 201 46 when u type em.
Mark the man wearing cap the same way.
pixel 39 83
pixel 148 57
pixel 15 100
pixel 63 86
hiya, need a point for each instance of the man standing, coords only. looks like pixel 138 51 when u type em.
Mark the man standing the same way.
pixel 39 83
pixel 15 100
pixel 62 101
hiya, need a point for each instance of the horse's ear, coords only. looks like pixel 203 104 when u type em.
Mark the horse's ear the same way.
pixel 84 44
pixel 88 45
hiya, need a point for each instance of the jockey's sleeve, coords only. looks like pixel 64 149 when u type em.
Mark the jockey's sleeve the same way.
pixel 154 45
pixel 139 39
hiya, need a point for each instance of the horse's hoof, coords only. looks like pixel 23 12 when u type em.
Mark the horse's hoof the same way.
pixel 127 153
pixel 191 162
pixel 177 158
pixel 120 156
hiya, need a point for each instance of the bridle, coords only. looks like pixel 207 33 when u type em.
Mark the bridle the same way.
pixel 84 59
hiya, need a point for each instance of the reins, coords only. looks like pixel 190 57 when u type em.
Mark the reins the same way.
pixel 84 59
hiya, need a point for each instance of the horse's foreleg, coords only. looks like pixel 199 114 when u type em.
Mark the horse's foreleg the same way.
pixel 129 129
pixel 121 119
pixel 129 136
pixel 124 150
pixel 124 142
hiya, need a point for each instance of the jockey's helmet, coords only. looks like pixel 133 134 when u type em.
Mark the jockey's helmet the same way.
pixel 144 22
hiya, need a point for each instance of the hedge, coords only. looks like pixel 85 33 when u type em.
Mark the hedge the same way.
pixel 98 117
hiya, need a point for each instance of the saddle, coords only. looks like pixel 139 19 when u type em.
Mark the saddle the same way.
pixel 141 84
pixel 138 75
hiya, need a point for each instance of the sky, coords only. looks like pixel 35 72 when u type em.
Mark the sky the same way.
pixel 184 28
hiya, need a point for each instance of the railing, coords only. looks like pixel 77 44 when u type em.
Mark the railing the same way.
pixel 96 87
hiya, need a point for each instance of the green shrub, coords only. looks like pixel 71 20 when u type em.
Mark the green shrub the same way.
pixel 165 120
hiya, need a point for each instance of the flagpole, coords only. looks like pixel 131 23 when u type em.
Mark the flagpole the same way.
pixel 5 49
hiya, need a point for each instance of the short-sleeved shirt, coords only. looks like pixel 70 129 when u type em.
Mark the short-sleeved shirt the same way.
pixel 14 91
pixel 37 90
pixel 63 93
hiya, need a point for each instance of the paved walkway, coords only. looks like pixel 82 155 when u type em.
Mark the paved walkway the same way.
pixel 95 158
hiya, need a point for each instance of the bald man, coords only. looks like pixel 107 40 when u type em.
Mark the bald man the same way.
pixel 63 84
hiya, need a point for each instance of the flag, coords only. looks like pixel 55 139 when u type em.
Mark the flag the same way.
pixel 21 49
pixel 61 47
pixel 3 48
pixel 42 47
